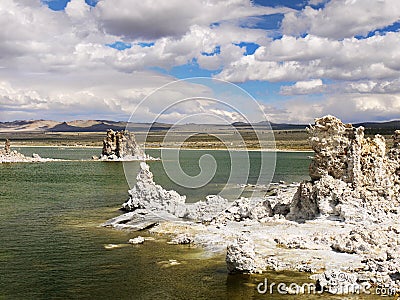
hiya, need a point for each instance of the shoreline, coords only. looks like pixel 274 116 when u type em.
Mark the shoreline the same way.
pixel 170 148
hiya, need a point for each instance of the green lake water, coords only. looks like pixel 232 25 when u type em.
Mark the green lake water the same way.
pixel 52 246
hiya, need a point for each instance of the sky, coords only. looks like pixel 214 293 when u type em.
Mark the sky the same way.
pixel 98 59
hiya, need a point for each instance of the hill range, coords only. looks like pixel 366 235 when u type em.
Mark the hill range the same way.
pixel 103 125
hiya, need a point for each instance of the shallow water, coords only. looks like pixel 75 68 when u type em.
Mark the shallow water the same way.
pixel 53 248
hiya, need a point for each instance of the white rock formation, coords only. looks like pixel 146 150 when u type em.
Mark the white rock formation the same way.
pixel 353 177
pixel 205 211
pixel 241 257
pixel 245 209
pixel 122 146
pixel 182 239
pixel 148 195
pixel 355 180
pixel 12 156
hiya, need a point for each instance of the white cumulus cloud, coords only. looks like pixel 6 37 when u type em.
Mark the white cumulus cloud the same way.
pixel 304 87
pixel 343 18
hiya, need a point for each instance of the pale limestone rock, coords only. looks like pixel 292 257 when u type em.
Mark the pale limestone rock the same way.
pixel 12 156
pixel 396 139
pixel 353 177
pixel 355 180
pixel 148 195
pixel 241 257
pixel 182 239
pixel 257 209
pixel 7 147
pixel 122 145
pixel 204 211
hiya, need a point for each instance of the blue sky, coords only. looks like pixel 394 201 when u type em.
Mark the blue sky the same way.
pixel 299 59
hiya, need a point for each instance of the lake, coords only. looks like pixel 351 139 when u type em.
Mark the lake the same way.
pixel 52 246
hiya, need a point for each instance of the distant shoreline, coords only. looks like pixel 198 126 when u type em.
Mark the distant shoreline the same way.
pixel 167 148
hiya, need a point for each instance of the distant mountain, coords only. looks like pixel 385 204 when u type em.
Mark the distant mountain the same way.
pixel 94 127
pixel 103 125
pixel 31 125
pixel 380 125
pixel 266 125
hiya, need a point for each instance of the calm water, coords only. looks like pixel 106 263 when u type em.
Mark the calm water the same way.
pixel 53 248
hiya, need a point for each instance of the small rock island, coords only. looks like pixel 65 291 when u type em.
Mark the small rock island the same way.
pixel 13 156
pixel 122 146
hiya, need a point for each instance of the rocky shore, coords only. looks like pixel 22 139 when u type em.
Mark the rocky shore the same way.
pixel 342 225
pixel 122 146
pixel 13 156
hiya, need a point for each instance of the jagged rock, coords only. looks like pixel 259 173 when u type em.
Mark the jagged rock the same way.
pixel 355 180
pixel 313 241
pixel 281 209
pixel 240 256
pixel 148 195
pixel 7 147
pixel 374 243
pixel 343 152
pixel 204 211
pixel 245 209
pixel 121 145
pixel 182 239
pixel 352 176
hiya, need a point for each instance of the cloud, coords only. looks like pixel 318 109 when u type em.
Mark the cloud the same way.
pixel 55 64
pixel 304 88
pixel 342 18
pixel 316 2
pixel 349 107
pixel 173 18
pixel 376 87
pixel 77 10
pixel 69 96
pixel 297 59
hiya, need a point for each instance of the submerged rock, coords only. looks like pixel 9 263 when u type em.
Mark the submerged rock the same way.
pixel 136 240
